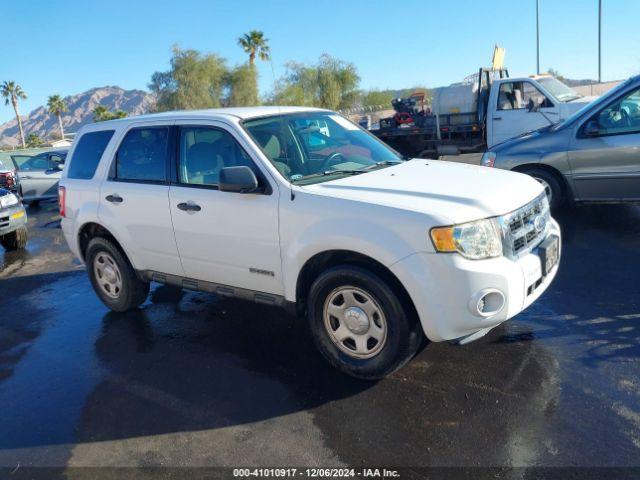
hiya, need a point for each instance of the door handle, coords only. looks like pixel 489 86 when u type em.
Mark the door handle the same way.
pixel 114 198
pixel 189 207
pixel 497 118
pixel 26 177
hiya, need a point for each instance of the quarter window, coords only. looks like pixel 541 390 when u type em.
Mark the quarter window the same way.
pixel 204 152
pixel 142 155
pixel 87 154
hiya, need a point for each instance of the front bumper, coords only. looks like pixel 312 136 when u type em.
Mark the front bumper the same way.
pixel 12 218
pixel 445 287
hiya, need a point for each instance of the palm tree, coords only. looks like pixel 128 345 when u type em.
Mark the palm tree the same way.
pixel 254 44
pixel 12 93
pixel 57 107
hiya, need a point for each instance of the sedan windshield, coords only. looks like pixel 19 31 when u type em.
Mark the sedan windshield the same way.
pixel 558 89
pixel 312 147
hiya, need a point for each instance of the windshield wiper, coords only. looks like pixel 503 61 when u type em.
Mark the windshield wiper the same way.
pixel 382 164
pixel 329 172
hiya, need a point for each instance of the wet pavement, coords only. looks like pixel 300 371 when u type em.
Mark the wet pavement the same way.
pixel 191 379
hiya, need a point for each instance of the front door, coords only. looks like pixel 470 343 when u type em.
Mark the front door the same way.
pixel 512 115
pixel 605 153
pixel 134 200
pixel 223 237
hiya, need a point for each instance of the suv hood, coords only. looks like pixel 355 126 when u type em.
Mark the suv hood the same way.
pixel 448 191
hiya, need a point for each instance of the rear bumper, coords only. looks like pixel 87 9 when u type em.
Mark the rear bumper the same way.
pixel 445 289
pixel 12 218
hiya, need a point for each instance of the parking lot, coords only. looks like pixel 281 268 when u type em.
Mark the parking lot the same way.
pixel 192 379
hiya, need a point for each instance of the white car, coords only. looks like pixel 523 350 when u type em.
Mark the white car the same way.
pixel 301 208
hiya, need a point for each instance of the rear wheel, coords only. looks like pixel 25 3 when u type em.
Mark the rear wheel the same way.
pixel 113 278
pixel 16 240
pixel 359 323
pixel 552 186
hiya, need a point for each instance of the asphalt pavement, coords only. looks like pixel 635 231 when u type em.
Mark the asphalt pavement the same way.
pixel 190 379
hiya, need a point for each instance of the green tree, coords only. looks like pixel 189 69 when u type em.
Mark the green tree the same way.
pixel 102 114
pixel 254 44
pixel 193 81
pixel 57 107
pixel 13 92
pixel 377 98
pixel 243 86
pixel 331 83
pixel 34 141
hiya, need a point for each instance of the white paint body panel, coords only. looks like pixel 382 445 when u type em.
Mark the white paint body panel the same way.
pixel 384 214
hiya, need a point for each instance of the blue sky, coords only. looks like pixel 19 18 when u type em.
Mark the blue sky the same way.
pixel 66 47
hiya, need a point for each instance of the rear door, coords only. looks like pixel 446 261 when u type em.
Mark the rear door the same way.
pixel 511 113
pixel 38 176
pixel 605 153
pixel 134 199
pixel 229 238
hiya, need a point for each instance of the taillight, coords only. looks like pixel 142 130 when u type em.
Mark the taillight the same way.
pixel 62 201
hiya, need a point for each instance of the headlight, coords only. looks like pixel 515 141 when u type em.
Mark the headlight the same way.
pixel 488 159
pixel 8 200
pixel 473 240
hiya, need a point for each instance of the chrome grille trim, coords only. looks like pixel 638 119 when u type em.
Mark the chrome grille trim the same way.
pixel 525 228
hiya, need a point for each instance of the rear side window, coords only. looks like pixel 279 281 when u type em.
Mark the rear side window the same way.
pixel 88 153
pixel 142 155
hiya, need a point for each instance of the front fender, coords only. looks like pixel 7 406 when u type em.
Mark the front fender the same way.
pixel 382 233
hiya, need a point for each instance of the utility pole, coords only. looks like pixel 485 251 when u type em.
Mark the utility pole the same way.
pixel 538 36
pixel 599 41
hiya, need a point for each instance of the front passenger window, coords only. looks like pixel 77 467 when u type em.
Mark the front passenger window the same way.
pixel 621 116
pixel 204 152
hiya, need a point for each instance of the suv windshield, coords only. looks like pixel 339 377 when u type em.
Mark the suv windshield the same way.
pixel 312 147
pixel 558 89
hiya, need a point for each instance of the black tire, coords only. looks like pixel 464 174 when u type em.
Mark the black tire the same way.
pixel 554 183
pixel 133 292
pixel 16 240
pixel 404 335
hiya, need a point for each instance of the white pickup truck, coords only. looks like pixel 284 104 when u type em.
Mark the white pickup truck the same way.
pixel 300 208
pixel 486 109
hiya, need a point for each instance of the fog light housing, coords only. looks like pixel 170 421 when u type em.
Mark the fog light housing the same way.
pixel 487 302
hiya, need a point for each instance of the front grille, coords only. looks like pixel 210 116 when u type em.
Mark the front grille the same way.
pixel 4 222
pixel 525 228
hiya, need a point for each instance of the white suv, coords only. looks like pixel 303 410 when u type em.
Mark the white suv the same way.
pixel 301 208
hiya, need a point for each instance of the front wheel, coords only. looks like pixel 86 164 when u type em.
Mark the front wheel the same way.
pixel 551 184
pixel 359 323
pixel 16 240
pixel 113 278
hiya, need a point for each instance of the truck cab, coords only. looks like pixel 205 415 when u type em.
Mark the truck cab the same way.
pixel 521 105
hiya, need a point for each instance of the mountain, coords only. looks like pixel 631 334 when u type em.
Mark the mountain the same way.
pixel 80 112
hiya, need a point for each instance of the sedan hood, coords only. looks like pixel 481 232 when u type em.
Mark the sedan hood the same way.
pixel 453 191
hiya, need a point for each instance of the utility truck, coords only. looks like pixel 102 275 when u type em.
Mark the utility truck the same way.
pixel 482 111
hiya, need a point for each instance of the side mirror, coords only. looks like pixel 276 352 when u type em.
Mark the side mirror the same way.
pixel 237 179
pixel 591 129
